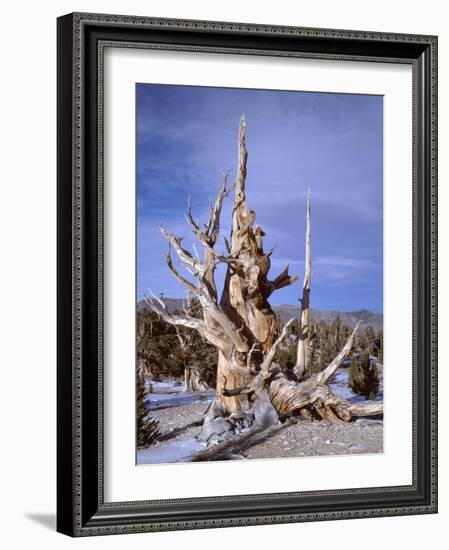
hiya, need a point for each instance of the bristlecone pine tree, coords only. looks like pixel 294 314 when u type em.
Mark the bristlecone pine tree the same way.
pixel 241 323
pixel 147 428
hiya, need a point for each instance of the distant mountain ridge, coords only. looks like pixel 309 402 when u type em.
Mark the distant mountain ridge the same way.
pixel 286 312
pixel 349 318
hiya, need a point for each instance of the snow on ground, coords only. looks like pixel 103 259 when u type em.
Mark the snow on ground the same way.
pixel 162 400
pixel 339 386
pixel 179 413
pixel 178 425
pixel 161 384
pixel 177 451
pixel 167 393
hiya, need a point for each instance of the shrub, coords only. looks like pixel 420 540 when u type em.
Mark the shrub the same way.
pixel 159 349
pixel 364 376
pixel 147 428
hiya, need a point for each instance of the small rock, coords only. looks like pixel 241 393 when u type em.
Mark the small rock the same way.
pixel 237 415
pixel 264 412
pixel 214 440
pixel 215 410
pixel 244 430
pixel 215 427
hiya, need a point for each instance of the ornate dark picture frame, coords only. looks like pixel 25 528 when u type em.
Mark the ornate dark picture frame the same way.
pixel 81 509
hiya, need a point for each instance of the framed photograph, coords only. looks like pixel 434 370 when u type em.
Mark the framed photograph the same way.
pixel 247 274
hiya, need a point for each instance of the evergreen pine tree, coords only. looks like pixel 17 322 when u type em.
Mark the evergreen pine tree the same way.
pixel 370 337
pixel 380 349
pixel 147 427
pixel 314 352
pixel 337 335
pixel 354 370
pixel 364 376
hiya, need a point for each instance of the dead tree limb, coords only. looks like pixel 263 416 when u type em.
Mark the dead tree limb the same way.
pixel 323 376
pixel 302 358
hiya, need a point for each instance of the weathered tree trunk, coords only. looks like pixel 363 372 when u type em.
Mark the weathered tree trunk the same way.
pixel 193 381
pixel 302 357
pixel 227 377
pixel 242 326
pixel 143 368
pixel 187 377
pixel 246 289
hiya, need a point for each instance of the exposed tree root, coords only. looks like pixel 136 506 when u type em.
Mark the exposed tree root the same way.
pixel 290 397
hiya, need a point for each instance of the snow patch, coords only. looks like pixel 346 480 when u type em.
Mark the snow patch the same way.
pixel 178 451
pixel 163 400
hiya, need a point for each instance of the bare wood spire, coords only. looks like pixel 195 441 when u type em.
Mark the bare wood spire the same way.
pixel 240 211
pixel 302 357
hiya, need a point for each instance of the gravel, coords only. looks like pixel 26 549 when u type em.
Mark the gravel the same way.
pixel 179 423
pixel 318 438
pixel 294 438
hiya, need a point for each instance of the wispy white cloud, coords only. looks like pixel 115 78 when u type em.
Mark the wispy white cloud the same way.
pixel 341 261
pixel 187 137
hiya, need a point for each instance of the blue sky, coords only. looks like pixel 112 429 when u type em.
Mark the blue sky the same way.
pixel 187 137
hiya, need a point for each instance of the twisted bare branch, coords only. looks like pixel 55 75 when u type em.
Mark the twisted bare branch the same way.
pixel 214 335
pixel 209 236
pixel 191 264
pixel 282 280
pixel 265 366
pixel 324 375
pixel 190 287
pixel 158 306
pixel 205 291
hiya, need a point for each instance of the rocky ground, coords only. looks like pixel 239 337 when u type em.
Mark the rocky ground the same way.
pixel 294 438
pixel 317 438
pixel 178 423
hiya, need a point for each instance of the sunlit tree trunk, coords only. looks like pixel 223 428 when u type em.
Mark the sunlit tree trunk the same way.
pixel 302 358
